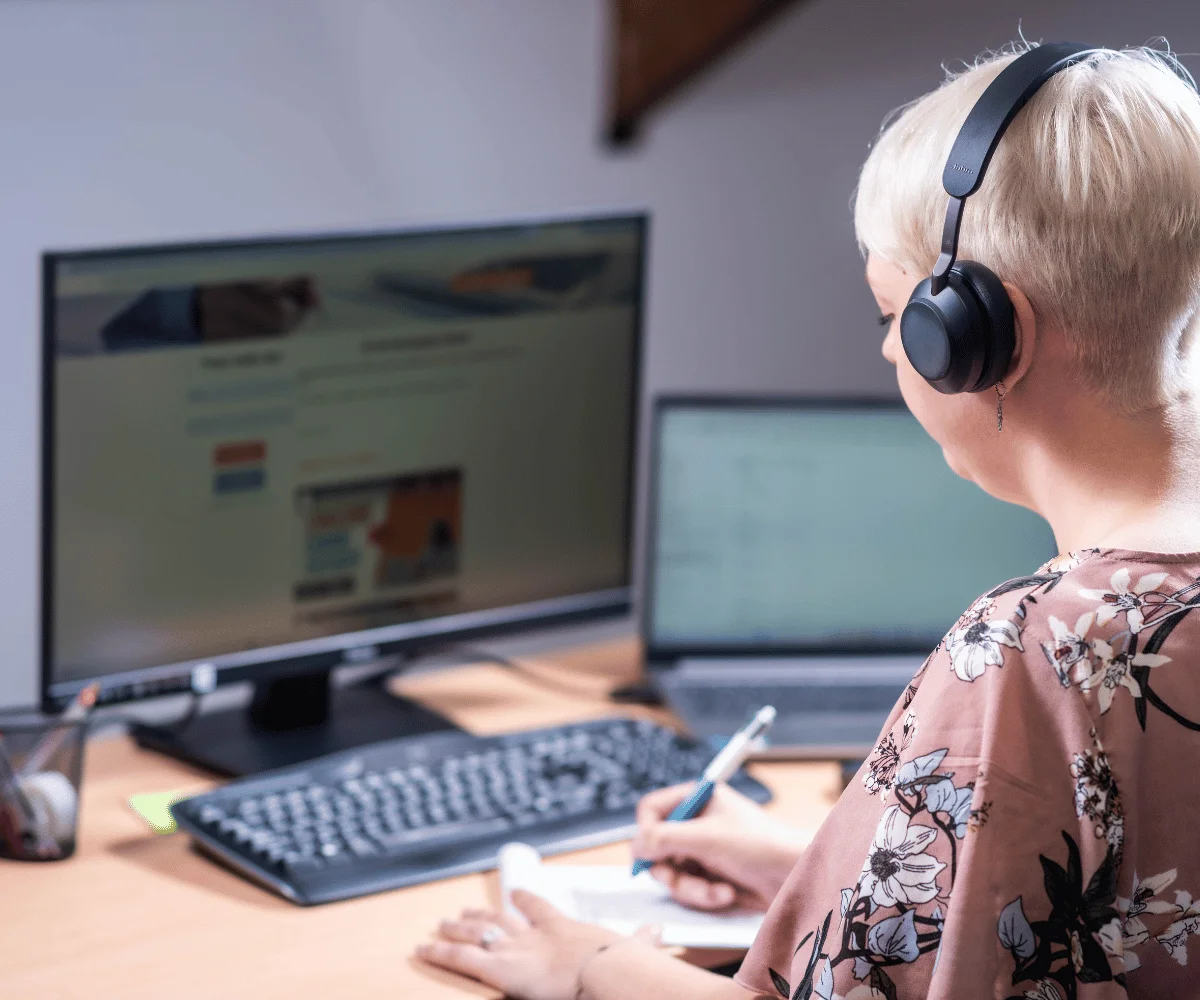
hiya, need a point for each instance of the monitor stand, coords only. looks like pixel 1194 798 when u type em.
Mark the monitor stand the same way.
pixel 291 720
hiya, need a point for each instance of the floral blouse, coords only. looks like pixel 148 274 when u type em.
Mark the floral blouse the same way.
pixel 1028 825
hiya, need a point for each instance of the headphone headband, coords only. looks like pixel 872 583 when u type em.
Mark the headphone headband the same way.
pixel 997 107
pixel 981 132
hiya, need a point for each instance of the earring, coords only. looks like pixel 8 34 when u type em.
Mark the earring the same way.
pixel 1001 392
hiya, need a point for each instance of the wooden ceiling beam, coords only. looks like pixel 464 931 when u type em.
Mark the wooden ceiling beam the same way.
pixel 659 45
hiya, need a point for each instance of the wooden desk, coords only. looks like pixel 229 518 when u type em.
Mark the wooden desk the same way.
pixel 137 916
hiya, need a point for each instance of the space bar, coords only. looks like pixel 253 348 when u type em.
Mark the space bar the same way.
pixel 443 834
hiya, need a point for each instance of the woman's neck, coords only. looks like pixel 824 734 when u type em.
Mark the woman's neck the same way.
pixel 1110 481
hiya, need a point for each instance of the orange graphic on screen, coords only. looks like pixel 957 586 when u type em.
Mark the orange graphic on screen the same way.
pixel 419 537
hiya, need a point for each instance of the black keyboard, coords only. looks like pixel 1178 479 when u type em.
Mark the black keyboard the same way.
pixel 428 807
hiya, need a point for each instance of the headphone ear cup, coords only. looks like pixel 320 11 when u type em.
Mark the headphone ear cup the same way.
pixel 996 335
pixel 940 334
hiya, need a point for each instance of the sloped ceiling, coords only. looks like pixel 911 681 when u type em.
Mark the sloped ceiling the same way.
pixel 658 45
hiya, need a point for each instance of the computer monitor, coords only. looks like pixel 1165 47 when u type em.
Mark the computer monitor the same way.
pixel 266 458
pixel 816 526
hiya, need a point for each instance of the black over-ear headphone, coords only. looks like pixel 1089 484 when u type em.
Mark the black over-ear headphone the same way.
pixel 957 328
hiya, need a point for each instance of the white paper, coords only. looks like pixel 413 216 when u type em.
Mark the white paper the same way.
pixel 610 896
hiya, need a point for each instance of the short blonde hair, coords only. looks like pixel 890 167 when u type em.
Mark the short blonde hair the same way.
pixel 1091 206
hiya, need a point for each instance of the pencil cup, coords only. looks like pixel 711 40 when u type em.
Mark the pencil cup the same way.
pixel 41 765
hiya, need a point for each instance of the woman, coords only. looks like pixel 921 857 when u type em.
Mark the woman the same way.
pixel 1027 825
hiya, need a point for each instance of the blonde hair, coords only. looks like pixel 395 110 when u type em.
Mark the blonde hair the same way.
pixel 1091 206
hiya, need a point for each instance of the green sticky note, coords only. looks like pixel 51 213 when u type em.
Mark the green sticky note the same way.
pixel 154 808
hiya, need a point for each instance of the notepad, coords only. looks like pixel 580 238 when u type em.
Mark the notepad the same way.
pixel 608 895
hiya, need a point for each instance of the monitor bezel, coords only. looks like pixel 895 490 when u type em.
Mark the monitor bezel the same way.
pixel 281 661
pixel 661 655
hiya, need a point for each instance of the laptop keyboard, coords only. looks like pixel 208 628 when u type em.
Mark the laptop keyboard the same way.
pixel 738 700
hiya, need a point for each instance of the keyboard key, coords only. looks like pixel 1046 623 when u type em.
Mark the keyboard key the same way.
pixel 445 834
pixel 301 864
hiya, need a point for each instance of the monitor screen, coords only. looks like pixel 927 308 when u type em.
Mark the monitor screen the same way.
pixel 819 526
pixel 261 451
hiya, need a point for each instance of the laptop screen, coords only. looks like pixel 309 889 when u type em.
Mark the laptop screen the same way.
pixel 818 527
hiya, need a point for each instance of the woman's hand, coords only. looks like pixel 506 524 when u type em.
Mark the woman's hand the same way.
pixel 539 957
pixel 732 854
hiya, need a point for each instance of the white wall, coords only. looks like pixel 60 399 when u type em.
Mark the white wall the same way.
pixel 146 120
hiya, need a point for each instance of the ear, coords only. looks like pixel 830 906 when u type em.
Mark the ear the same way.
pixel 1026 331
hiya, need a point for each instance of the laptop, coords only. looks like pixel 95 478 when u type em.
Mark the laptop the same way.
pixel 809 554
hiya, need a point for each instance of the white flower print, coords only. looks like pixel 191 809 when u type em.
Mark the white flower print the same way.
pixel 1187 921
pixel 1065 563
pixel 823 987
pixel 1142 900
pixel 977 612
pixel 897 869
pixel 1122 598
pixel 1111 940
pixel 1096 797
pixel 881 768
pixel 1076 952
pixel 1070 647
pixel 1113 670
pixel 975 648
pixel 1046 990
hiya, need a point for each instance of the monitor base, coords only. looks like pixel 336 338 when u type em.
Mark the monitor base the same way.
pixel 259 738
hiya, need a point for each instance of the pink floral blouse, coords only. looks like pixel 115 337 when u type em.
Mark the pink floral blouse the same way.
pixel 1028 825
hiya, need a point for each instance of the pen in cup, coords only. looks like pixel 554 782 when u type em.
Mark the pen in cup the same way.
pixel 48 745
pixel 732 756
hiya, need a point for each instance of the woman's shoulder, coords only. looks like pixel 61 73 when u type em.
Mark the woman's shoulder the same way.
pixel 1093 623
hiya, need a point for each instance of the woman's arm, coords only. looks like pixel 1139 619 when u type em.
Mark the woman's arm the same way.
pixel 633 968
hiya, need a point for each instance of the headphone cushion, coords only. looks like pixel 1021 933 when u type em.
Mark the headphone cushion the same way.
pixel 996 337
pixel 940 334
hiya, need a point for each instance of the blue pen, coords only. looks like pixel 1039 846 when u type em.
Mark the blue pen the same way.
pixel 723 765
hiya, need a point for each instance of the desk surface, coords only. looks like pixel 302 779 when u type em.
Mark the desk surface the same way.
pixel 139 916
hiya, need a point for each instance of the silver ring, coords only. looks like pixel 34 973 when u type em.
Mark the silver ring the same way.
pixel 490 936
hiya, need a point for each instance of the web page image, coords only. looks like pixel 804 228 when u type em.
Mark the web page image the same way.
pixel 261 446
pixel 382 550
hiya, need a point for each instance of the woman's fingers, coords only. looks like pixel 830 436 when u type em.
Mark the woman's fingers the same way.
pixel 467 931
pixel 701 894
pixel 696 891
pixel 656 806
pixel 472 913
pixel 466 959
pixel 664 873
pixel 699 839
pixel 512 923
pixel 534 909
